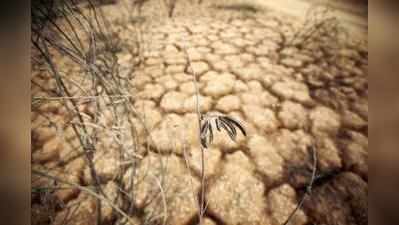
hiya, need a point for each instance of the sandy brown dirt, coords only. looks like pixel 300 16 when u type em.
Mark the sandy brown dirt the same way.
pixel 288 98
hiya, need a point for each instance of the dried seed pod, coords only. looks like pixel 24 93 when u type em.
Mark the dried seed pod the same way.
pixel 203 142
pixel 203 133
pixel 204 128
pixel 232 128
pixel 237 124
pixel 210 134
pixel 223 125
pixel 217 124
pixel 222 122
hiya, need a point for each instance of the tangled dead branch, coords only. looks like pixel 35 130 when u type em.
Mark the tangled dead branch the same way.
pixel 77 36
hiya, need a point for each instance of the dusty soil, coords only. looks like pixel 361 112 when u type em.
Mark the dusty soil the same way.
pixel 288 98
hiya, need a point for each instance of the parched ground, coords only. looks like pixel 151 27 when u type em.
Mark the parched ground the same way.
pixel 288 97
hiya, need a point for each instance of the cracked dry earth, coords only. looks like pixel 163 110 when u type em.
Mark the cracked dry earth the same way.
pixel 287 98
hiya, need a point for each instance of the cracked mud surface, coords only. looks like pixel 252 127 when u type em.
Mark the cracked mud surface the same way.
pixel 287 98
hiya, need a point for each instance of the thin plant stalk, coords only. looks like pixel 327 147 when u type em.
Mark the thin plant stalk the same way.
pixel 87 190
pixel 308 188
pixel 199 118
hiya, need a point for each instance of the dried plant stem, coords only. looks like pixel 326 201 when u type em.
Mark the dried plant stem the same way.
pixel 202 204
pixel 82 38
pixel 84 139
pixel 79 97
pixel 163 195
pixel 87 190
pixel 308 188
pixel 199 116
